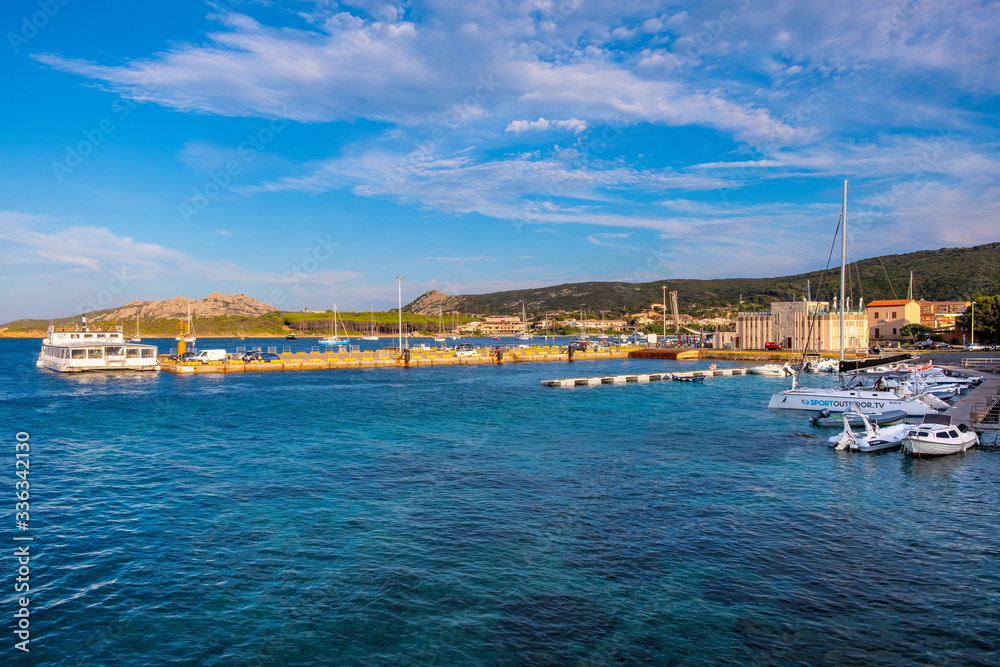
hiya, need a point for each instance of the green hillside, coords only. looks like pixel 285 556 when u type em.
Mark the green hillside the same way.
pixel 948 274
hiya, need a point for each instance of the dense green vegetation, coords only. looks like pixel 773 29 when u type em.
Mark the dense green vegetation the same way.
pixel 948 274
pixel 987 313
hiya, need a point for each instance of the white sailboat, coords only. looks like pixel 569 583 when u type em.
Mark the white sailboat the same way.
pixel 523 334
pixel 439 338
pixel 136 338
pixel 454 330
pixel 333 339
pixel 372 335
pixel 188 335
pixel 839 399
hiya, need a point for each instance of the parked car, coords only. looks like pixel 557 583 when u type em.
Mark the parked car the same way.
pixel 940 346
pixel 252 355
pixel 974 347
pixel 923 344
pixel 773 346
pixel 268 356
pixel 465 350
pixel 578 345
pixel 181 358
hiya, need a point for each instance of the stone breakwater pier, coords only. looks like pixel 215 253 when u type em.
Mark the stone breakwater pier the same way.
pixel 394 358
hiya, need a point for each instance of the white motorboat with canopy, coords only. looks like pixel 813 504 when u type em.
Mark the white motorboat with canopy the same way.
pixel 937 436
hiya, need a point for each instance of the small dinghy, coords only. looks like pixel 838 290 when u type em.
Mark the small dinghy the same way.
pixel 937 436
pixel 878 418
pixel 874 439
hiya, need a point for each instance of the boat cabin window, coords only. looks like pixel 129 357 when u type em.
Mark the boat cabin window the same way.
pixel 78 354
pixel 95 353
pixel 88 335
pixel 74 335
pixel 148 353
pixel 942 434
pixel 132 353
pixel 953 434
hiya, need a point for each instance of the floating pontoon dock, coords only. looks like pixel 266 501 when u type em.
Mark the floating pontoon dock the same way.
pixel 643 377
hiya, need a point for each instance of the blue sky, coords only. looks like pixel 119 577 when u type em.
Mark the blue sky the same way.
pixel 307 153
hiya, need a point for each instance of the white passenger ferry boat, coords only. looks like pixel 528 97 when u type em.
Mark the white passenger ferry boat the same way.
pixel 71 349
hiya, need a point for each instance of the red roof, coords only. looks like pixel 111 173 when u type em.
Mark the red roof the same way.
pixel 890 303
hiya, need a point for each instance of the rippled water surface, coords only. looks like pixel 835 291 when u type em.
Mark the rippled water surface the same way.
pixel 468 515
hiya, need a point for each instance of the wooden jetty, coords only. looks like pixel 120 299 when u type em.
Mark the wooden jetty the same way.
pixel 642 377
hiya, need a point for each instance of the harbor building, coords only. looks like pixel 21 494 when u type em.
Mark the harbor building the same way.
pixel 788 324
pixel 501 326
pixel 886 318
pixel 941 314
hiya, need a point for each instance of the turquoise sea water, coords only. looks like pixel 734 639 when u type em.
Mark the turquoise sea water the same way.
pixel 468 515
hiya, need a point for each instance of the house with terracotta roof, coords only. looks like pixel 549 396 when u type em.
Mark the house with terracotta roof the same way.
pixel 886 318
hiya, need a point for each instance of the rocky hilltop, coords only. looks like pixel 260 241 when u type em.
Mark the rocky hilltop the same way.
pixel 432 302
pixel 214 305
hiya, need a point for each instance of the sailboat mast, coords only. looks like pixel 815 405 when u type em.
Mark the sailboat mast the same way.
pixel 843 272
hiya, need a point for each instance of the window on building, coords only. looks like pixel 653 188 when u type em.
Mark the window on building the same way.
pixel 894 314
pixel 893 332
pixel 876 314
pixel 876 333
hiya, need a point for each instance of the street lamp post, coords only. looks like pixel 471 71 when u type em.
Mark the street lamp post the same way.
pixel 972 334
pixel 399 280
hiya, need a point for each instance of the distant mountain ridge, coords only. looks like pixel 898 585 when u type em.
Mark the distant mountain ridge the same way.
pixel 948 274
pixel 214 305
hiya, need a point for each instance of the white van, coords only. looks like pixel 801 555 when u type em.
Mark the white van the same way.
pixel 206 356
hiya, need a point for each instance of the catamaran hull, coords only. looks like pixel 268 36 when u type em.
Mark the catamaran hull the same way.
pixel 866 401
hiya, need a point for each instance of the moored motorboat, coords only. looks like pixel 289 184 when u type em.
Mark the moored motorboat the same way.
pixel 771 370
pixel 874 438
pixel 937 436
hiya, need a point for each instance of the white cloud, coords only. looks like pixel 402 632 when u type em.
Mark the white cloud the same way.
pixel 574 125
